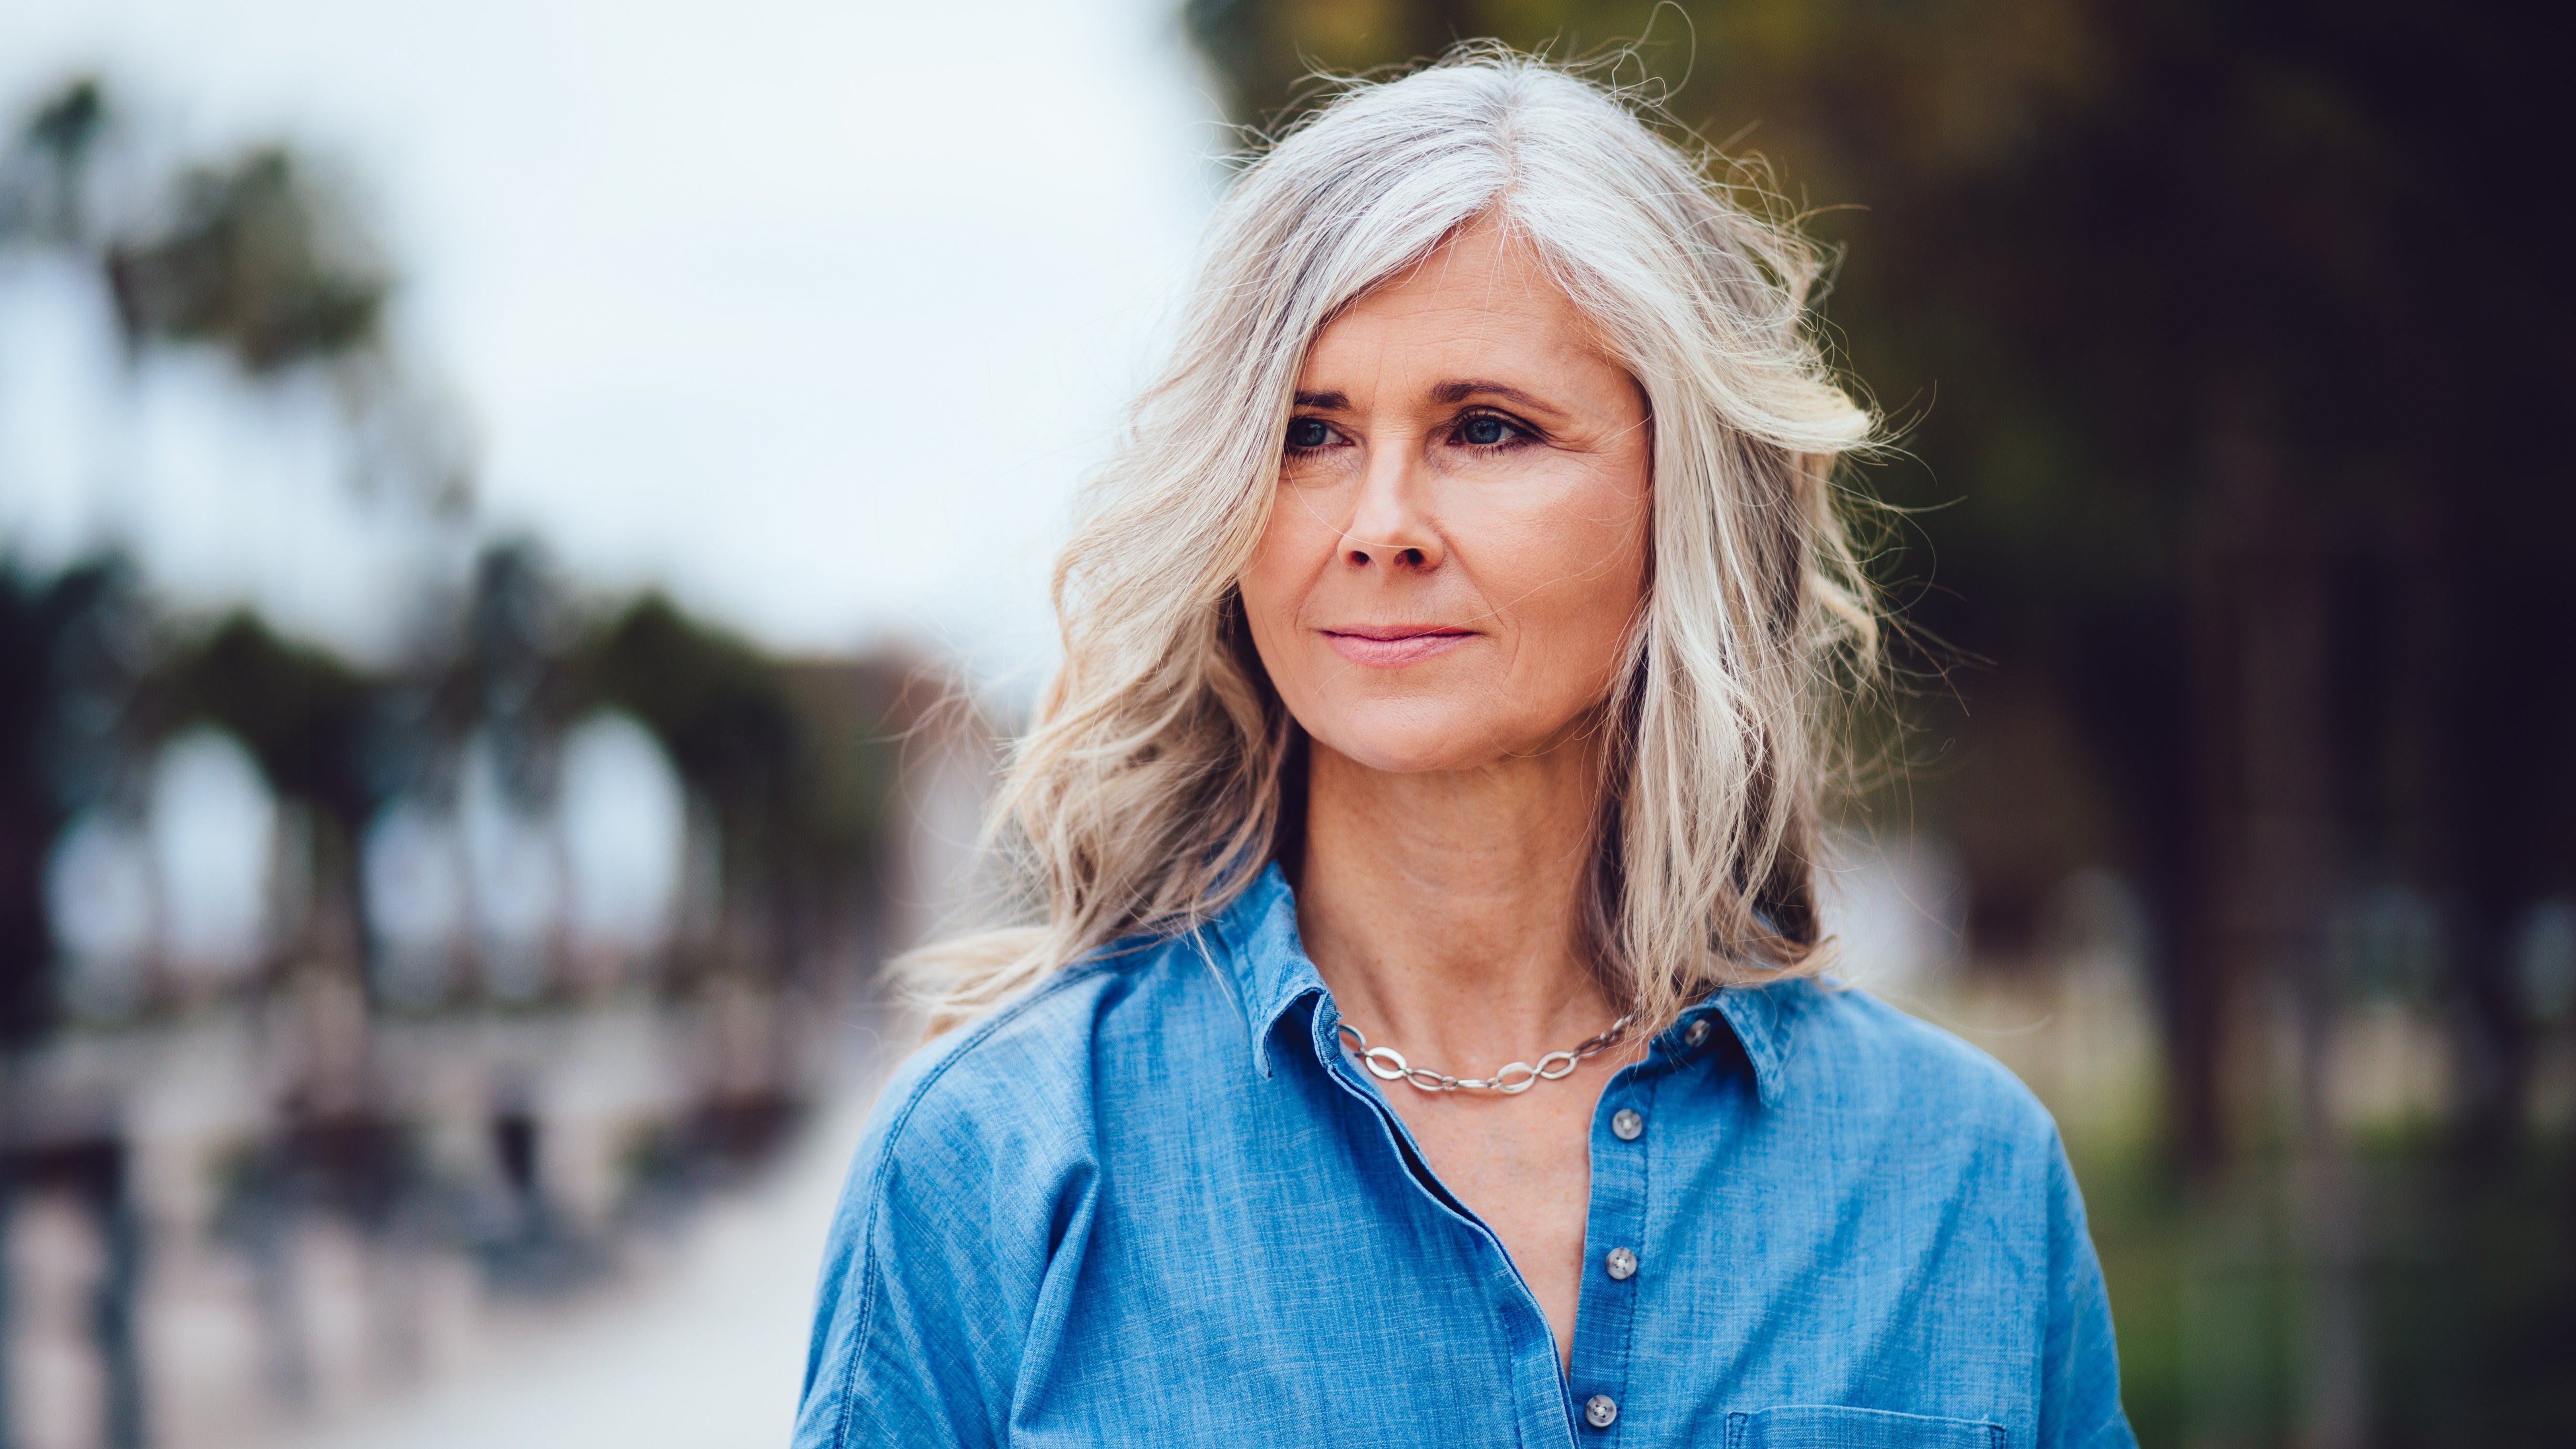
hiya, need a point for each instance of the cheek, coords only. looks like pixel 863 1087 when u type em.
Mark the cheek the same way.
pixel 1273 588
pixel 1580 577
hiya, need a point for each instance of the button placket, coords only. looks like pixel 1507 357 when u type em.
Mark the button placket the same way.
pixel 1538 1384
pixel 1614 1235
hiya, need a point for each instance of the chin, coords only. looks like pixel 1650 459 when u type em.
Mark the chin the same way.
pixel 1411 739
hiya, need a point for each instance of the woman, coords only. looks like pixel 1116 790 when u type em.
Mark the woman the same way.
pixel 1423 1044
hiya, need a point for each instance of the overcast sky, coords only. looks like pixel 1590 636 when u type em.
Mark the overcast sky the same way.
pixel 814 312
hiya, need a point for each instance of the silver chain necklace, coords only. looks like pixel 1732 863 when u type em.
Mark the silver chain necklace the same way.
pixel 1388 1065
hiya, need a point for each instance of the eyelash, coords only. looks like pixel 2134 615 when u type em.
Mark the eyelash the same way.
pixel 1521 433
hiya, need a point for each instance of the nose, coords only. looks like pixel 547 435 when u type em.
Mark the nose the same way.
pixel 1389 523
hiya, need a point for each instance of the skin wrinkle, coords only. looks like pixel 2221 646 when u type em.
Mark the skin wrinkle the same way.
pixel 1451 800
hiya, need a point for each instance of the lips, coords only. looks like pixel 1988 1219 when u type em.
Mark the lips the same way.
pixel 1393 646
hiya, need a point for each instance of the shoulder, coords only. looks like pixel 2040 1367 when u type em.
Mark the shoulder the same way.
pixel 1017 1086
pixel 980 1156
pixel 1852 1053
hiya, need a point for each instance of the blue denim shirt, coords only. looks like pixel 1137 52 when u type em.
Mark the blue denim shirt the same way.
pixel 1154 1202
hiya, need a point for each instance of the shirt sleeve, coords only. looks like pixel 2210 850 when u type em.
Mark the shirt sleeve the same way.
pixel 929 1283
pixel 2079 1405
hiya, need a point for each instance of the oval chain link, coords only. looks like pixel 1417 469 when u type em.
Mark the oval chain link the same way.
pixel 1388 1065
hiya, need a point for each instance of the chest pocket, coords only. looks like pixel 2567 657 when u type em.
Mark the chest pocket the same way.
pixel 1803 1426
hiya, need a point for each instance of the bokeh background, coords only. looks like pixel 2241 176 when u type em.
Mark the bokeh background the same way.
pixel 520 526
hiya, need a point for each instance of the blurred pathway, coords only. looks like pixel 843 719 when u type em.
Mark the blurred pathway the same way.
pixel 705 1352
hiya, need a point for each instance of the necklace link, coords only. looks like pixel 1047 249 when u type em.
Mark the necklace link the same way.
pixel 1510 1080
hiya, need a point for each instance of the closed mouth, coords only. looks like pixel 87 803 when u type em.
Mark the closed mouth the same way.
pixel 1388 646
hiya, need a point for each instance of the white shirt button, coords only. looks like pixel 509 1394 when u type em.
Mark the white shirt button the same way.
pixel 1622 1264
pixel 1626 1125
pixel 1601 1411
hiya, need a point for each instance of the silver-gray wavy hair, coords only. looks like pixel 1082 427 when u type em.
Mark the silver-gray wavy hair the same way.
pixel 1152 776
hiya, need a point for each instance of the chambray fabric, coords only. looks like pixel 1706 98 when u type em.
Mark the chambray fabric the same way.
pixel 1154 1202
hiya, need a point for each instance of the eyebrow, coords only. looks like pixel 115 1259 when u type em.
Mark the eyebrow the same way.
pixel 1458 392
pixel 1447 392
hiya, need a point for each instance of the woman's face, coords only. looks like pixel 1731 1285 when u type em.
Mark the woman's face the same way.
pixel 1459 541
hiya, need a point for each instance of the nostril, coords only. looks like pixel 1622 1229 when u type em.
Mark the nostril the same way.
pixel 1359 558
pixel 1411 558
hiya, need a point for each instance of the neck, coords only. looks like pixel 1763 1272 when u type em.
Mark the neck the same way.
pixel 1443 908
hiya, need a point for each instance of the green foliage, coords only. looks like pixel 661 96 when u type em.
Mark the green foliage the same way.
pixel 795 762
pixel 797 757
pixel 259 262
pixel 2466 1281
pixel 29 811
pixel 58 139
pixel 64 127
pixel 298 709
pixel 719 705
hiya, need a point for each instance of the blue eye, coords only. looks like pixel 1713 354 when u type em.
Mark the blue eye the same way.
pixel 1307 433
pixel 1485 431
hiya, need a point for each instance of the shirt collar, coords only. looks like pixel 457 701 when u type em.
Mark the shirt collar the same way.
pixel 1266 971
pixel 1265 966
pixel 1760 1016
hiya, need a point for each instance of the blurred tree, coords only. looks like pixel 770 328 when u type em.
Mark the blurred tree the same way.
pixel 299 710
pixel 29 814
pixel 720 708
pixel 306 716
pixel 74 651
pixel 59 138
pixel 256 262
pixel 253 260
pixel 794 758
pixel 253 256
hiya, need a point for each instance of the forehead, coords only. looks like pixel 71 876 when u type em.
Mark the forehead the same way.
pixel 1482 294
